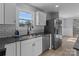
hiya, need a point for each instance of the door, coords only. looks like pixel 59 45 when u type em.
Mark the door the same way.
pixel 1 13
pixel 40 18
pixel 11 49
pixel 26 48
pixel 10 13
pixel 37 46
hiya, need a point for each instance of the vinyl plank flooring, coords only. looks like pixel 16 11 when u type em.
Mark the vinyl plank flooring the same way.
pixel 65 50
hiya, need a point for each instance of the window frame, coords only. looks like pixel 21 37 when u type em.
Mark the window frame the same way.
pixel 25 19
pixel 24 10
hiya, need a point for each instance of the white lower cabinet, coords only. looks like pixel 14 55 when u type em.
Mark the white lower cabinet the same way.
pixel 11 49
pixel 26 48
pixel 30 47
pixel 37 46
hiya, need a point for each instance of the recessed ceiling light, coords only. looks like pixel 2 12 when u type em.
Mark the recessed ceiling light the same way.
pixel 57 5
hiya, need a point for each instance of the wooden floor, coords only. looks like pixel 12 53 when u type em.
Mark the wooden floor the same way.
pixel 65 50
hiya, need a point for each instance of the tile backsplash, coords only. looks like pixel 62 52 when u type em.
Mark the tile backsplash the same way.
pixel 7 30
pixel 38 29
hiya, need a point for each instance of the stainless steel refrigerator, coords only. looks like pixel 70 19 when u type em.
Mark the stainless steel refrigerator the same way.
pixel 54 27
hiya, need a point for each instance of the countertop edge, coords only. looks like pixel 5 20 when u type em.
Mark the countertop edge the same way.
pixel 18 39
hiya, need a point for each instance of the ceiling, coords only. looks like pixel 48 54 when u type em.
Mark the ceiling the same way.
pixel 66 10
pixel 47 7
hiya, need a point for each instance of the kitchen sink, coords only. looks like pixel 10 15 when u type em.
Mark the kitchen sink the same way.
pixel 29 37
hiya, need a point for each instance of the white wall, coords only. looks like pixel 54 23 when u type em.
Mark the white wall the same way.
pixel 67 10
pixel 67 27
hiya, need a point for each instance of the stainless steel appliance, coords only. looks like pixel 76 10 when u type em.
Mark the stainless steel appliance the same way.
pixel 45 42
pixel 54 27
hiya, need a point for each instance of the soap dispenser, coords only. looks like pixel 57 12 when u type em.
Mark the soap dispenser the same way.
pixel 17 33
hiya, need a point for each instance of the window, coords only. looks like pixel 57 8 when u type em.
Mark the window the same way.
pixel 24 18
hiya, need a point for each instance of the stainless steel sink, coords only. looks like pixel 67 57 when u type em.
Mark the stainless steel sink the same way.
pixel 29 37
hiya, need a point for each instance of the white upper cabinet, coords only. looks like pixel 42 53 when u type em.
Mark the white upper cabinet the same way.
pixel 10 13
pixel 40 18
pixel 1 13
pixel 7 13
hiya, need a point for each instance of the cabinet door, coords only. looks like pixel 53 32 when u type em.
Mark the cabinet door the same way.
pixel 10 13
pixel 11 49
pixel 26 48
pixel 1 13
pixel 40 18
pixel 37 46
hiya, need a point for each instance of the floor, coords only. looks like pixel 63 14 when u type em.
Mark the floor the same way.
pixel 65 50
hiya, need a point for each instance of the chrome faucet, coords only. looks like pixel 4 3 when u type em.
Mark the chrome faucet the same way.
pixel 29 28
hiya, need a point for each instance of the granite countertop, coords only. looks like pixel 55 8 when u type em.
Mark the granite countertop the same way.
pixel 13 36
pixel 12 39
pixel 76 46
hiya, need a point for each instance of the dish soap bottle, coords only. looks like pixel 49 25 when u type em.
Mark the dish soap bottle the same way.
pixel 17 33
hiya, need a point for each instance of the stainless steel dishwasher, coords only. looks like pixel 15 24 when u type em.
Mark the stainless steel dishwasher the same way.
pixel 45 42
